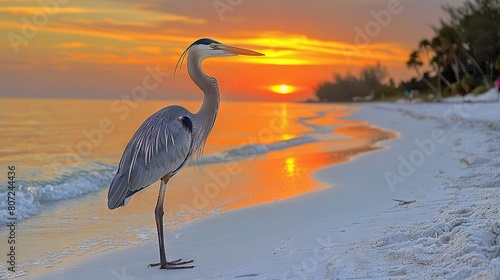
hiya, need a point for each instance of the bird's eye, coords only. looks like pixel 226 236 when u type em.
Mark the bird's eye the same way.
pixel 213 45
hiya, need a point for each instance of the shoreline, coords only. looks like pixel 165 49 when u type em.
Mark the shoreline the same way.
pixel 351 229
pixel 290 171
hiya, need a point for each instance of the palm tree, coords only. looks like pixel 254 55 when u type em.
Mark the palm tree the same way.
pixel 453 44
pixel 415 62
pixel 474 62
pixel 477 23
pixel 436 62
pixel 450 41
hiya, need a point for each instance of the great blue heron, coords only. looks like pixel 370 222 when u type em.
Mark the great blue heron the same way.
pixel 169 138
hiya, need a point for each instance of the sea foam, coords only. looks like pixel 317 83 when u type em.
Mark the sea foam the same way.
pixel 245 152
pixel 31 196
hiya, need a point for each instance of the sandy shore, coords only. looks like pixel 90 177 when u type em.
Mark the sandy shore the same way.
pixel 445 164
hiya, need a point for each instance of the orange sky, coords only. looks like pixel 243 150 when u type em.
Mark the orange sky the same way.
pixel 74 48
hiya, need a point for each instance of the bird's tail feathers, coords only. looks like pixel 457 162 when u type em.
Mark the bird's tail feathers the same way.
pixel 118 192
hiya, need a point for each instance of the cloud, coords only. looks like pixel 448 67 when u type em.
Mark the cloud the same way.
pixel 296 49
pixel 72 45
pixel 33 10
pixel 154 50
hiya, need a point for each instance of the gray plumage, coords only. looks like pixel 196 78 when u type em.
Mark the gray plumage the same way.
pixel 168 139
pixel 162 144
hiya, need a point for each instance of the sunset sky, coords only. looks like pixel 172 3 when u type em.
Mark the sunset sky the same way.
pixel 104 49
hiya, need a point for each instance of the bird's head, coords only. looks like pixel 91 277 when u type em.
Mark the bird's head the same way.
pixel 205 48
pixel 211 48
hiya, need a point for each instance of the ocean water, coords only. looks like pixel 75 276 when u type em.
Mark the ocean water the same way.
pixel 65 153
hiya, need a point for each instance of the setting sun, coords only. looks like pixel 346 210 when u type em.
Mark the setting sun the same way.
pixel 283 89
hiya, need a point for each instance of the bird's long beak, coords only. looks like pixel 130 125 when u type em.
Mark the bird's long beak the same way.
pixel 238 51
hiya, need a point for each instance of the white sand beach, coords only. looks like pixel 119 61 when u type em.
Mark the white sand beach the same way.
pixel 444 166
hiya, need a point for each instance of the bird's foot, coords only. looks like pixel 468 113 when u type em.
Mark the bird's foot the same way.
pixel 177 264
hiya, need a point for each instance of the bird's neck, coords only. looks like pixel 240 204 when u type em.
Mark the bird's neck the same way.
pixel 208 111
pixel 205 117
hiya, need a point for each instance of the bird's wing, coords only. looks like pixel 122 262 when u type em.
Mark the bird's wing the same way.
pixel 161 145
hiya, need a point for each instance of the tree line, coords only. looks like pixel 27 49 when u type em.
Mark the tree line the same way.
pixel 463 56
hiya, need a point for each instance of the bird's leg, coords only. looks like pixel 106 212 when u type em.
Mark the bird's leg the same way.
pixel 177 264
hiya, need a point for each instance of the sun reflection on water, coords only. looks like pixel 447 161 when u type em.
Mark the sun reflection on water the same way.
pixel 284 116
pixel 286 136
pixel 284 125
pixel 290 167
